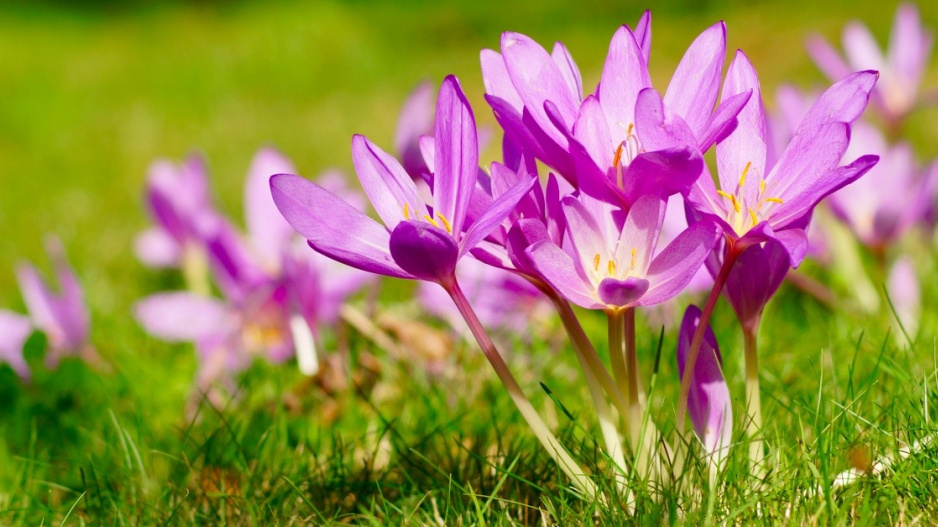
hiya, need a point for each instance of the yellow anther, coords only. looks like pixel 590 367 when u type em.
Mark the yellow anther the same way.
pixel 449 228
pixel 752 214
pixel 432 222
pixel 634 254
pixel 611 268
pixel 596 262
pixel 732 199
pixel 761 186
pixel 775 200
pixel 742 178
pixel 618 156
pixel 629 131
pixel 407 211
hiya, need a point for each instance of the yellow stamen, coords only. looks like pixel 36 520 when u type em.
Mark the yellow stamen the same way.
pixel 761 186
pixel 634 254
pixel 752 214
pixel 629 131
pixel 775 200
pixel 449 228
pixel 611 268
pixel 618 156
pixel 732 199
pixel 742 178
pixel 596 263
pixel 407 211
pixel 428 218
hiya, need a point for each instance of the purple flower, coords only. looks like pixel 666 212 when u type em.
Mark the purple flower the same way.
pixel 755 277
pixel 880 218
pixel 599 143
pixel 759 202
pixel 180 204
pixel 708 402
pixel 612 264
pixel 63 317
pixel 901 67
pixel 277 293
pixel 417 240
pixel 414 123
pixel 904 292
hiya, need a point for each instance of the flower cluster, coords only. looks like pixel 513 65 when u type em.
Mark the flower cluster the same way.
pixel 589 230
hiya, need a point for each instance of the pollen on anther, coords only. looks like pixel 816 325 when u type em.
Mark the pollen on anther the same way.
pixel 775 200
pixel 446 225
pixel 407 211
pixel 742 178
pixel 618 156
pixel 596 262
pixel 611 268
pixel 752 215
pixel 631 127
pixel 431 220
pixel 634 254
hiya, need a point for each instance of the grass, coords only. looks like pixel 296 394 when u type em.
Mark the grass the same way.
pixel 97 94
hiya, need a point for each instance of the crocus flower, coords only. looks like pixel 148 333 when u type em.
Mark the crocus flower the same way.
pixel 755 277
pixel 758 202
pixel 880 218
pixel 14 330
pixel 708 402
pixel 277 294
pixel 910 46
pixel 417 241
pixel 63 316
pixel 180 204
pixel 598 143
pixel 415 121
pixel 615 267
pixel 904 292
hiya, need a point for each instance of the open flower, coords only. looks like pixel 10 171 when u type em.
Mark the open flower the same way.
pixel 757 202
pixel 418 240
pixel 708 402
pixel 880 218
pixel 616 266
pixel 901 67
pixel 62 317
pixel 598 143
pixel 180 204
pixel 277 295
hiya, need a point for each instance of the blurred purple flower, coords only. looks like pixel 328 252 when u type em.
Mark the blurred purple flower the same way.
pixel 62 317
pixel 501 299
pixel 904 292
pixel 877 217
pixel 415 122
pixel 910 46
pixel 708 402
pixel 180 204
pixel 277 293
pixel 612 264
pixel 758 202
pixel 417 241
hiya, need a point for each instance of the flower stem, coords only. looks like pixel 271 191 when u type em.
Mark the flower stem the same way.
pixel 556 450
pixel 631 369
pixel 616 333
pixel 195 270
pixel 753 403
pixel 729 259
pixel 583 348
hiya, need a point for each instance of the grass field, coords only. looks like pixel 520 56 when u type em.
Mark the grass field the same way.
pixel 90 96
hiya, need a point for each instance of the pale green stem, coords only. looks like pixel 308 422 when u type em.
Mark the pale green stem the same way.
pixel 603 412
pixel 540 429
pixel 631 370
pixel 616 333
pixel 753 403
pixel 195 270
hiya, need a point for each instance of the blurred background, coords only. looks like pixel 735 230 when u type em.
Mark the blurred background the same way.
pixel 91 93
